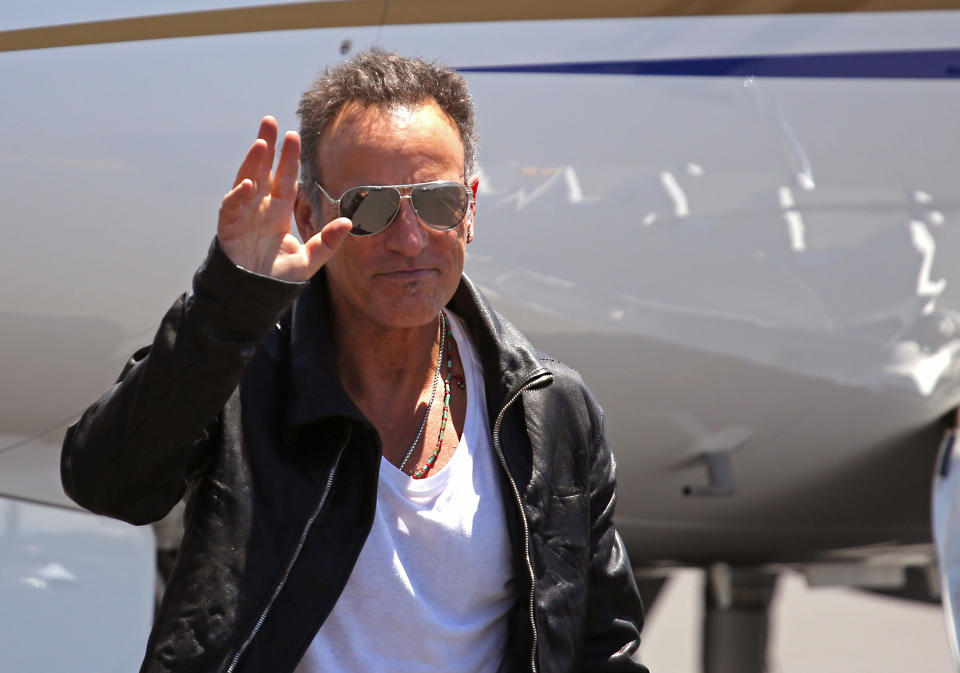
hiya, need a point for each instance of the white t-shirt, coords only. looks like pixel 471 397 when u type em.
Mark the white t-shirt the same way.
pixel 433 586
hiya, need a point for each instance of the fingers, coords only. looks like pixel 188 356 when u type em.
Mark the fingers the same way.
pixel 321 246
pixel 234 202
pixel 267 133
pixel 250 166
pixel 259 206
pixel 285 180
pixel 256 165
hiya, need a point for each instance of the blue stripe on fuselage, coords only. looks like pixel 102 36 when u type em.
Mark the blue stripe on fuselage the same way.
pixel 926 64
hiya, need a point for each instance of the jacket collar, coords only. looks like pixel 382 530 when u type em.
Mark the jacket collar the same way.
pixel 508 360
pixel 315 392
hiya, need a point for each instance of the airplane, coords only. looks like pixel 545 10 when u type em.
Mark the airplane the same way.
pixel 737 220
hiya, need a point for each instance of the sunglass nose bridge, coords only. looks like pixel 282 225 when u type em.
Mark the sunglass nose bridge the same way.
pixel 407 210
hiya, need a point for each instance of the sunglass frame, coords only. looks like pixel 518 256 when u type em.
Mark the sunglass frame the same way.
pixel 406 192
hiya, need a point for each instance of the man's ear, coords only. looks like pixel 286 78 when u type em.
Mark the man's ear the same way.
pixel 473 184
pixel 303 214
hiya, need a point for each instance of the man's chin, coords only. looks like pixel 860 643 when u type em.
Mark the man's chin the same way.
pixel 409 311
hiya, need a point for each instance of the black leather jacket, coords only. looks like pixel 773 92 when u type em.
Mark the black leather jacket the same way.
pixel 247 417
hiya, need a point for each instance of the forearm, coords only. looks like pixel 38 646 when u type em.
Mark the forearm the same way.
pixel 131 453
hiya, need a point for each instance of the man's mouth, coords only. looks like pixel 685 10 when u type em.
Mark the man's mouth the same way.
pixel 407 274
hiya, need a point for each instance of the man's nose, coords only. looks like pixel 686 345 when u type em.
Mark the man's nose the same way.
pixel 406 234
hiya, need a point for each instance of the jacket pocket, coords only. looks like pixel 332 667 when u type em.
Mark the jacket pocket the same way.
pixel 566 533
pixel 562 580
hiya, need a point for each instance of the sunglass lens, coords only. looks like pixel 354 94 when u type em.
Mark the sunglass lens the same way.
pixel 369 208
pixel 442 205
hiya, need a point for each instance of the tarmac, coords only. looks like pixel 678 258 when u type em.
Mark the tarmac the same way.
pixel 814 630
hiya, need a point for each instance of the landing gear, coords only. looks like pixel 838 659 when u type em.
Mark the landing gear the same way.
pixel 736 619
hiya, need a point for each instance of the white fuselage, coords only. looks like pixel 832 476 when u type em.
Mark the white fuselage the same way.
pixel 739 261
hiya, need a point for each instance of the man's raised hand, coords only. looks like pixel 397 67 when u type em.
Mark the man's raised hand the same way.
pixel 256 215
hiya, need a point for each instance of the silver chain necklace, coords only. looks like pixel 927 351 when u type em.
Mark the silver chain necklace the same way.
pixel 433 392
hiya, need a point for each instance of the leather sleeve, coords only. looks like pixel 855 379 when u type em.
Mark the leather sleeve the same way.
pixel 131 454
pixel 614 611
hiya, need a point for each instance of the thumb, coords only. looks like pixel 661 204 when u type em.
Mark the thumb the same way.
pixel 322 245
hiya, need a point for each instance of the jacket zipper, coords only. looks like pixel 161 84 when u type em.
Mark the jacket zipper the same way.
pixel 523 516
pixel 293 557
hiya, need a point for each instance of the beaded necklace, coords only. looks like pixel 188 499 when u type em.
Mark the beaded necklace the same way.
pixel 426 467
pixel 446 338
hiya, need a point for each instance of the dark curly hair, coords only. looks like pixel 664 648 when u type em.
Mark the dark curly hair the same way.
pixel 375 78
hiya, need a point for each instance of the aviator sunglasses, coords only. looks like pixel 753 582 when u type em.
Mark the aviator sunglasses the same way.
pixel 441 205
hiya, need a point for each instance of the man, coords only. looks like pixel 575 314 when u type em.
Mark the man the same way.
pixel 381 474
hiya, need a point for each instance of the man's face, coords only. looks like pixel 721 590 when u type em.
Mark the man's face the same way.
pixel 402 276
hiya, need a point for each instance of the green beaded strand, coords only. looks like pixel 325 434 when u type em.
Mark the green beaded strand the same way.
pixel 423 471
